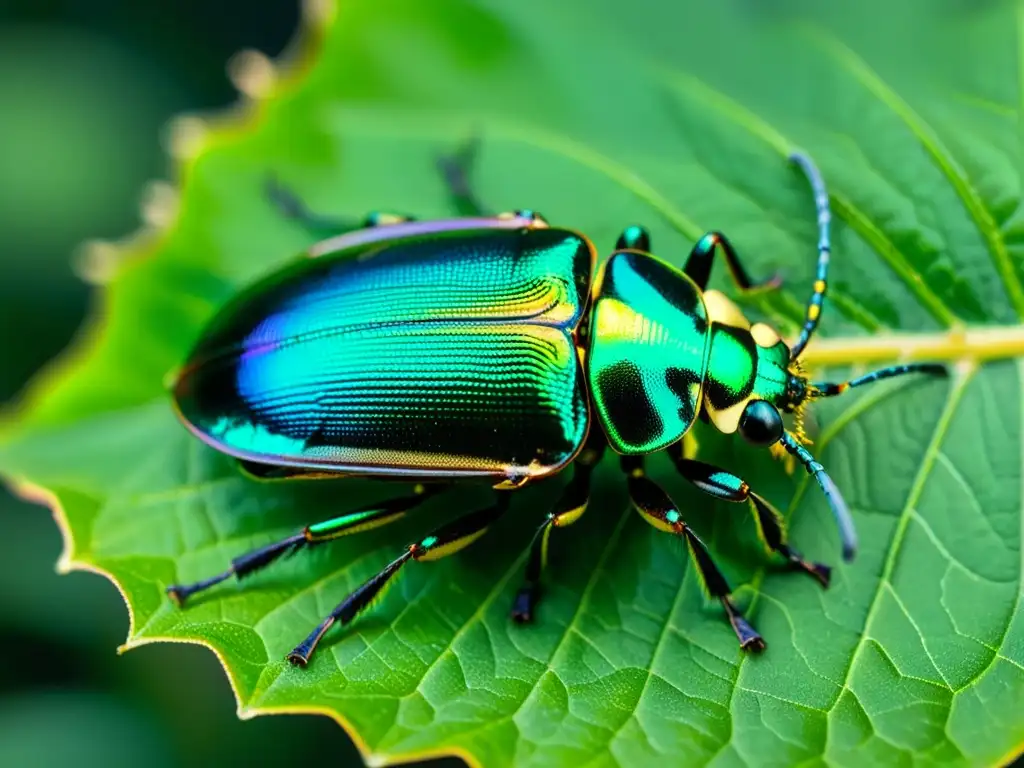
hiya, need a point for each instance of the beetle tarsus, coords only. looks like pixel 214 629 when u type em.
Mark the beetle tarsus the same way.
pixel 180 593
pixel 290 205
pixel 284 199
pixel 299 656
pixel 750 639
pixel 241 567
pixel 525 603
pixel 819 571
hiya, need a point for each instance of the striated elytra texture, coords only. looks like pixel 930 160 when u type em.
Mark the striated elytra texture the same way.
pixel 601 114
pixel 444 353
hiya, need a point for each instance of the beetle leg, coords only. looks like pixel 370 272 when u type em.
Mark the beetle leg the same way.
pixel 567 510
pixel 770 527
pixel 635 238
pixel 443 541
pixel 353 522
pixel 455 169
pixel 657 508
pixel 701 259
pixel 320 225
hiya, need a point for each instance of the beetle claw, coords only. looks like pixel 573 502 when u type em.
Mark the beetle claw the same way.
pixel 178 595
pixel 755 644
pixel 298 659
pixel 750 639
pixel 819 571
pixel 524 605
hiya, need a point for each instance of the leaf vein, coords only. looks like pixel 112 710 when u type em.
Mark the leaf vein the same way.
pixel 939 153
pixel 942 425
pixel 856 219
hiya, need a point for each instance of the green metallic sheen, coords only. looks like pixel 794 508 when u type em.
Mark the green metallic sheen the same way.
pixel 444 353
pixel 345 523
pixel 740 369
pixel 732 366
pixel 648 352
pixel 770 382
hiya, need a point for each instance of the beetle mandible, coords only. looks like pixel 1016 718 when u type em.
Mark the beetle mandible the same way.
pixel 484 348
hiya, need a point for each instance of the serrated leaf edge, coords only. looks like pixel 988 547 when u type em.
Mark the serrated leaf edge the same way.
pixel 193 135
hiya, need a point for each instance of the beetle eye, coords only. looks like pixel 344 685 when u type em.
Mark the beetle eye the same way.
pixel 761 423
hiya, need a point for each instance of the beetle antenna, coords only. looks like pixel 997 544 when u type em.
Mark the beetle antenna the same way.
pixel 824 248
pixel 847 531
pixel 829 389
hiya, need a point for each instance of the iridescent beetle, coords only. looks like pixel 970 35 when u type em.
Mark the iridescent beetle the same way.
pixel 483 348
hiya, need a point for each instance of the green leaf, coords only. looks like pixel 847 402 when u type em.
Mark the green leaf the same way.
pixel 601 114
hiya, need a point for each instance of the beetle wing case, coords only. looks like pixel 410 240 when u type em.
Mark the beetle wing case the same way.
pixel 446 352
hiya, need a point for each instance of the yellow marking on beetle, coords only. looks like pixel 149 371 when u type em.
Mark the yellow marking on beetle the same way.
pixel 696 568
pixel 637 472
pixel 569 517
pixel 798 424
pixel 779 453
pixel 760 527
pixel 764 335
pixel 614 319
pixel 450 548
pixel 727 421
pixel 691 445
pixel 657 522
pixel 376 599
pixel 819 286
pixel 722 310
pixel 813 311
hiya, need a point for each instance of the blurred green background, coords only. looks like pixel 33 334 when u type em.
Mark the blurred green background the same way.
pixel 86 90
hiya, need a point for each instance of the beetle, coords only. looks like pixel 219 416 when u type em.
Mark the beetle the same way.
pixel 486 348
